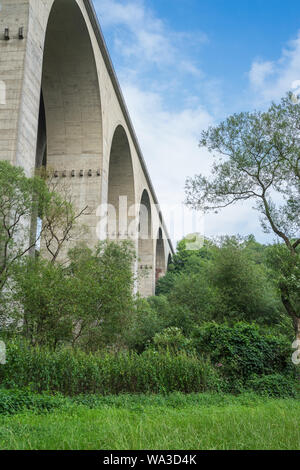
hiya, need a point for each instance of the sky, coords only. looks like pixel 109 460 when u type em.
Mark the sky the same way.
pixel 184 65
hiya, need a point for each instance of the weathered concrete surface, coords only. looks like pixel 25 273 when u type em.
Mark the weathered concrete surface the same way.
pixel 82 130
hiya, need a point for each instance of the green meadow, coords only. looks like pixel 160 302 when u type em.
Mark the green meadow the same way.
pixel 177 421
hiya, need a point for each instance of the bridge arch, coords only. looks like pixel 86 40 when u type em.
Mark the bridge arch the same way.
pixel 70 133
pixel 121 188
pixel 145 247
pixel 70 93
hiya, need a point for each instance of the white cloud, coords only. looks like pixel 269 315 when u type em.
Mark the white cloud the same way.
pixel 169 132
pixel 131 12
pixel 169 141
pixel 147 38
pixel 259 72
pixel 272 80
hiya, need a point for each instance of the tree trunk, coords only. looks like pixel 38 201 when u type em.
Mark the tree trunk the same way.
pixel 291 312
pixel 296 322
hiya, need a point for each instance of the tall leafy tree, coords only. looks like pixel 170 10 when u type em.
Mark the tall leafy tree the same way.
pixel 103 282
pixel 257 157
pixel 86 301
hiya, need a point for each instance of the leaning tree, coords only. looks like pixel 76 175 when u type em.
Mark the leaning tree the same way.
pixel 257 157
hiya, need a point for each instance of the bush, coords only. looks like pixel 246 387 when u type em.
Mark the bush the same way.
pixel 171 339
pixel 75 372
pixel 16 401
pixel 243 285
pixel 86 302
pixel 144 324
pixel 274 385
pixel 242 351
pixel 172 315
pixel 193 293
pixel 21 401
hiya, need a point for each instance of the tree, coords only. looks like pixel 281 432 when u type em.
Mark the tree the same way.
pixel 20 197
pixel 85 301
pixel 258 159
pixel 22 201
pixel 286 273
pixel 195 300
pixel 245 285
pixel 104 283
pixel 230 283
pixel 184 261
pixel 184 257
pixel 42 303
pixel 60 219
pixel 144 324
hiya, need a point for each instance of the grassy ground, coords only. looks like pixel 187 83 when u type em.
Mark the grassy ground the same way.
pixel 174 422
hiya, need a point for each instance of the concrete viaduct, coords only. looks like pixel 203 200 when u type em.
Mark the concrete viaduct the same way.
pixel 64 109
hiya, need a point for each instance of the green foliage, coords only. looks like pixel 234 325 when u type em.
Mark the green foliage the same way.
pixel 19 401
pixel 172 315
pixel 184 258
pixel 286 274
pixel 42 303
pixel 185 261
pixel 104 283
pixel 75 372
pixel 171 339
pixel 244 286
pixel 217 358
pixel 145 322
pixel 241 351
pixel 226 280
pixel 198 296
pixel 159 422
pixel 166 283
pixel 274 385
pixel 20 197
pixel 175 400
pixel 16 401
pixel 88 301
pixel 22 201
pixel 257 158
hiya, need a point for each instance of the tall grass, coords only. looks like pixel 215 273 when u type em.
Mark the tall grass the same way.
pixel 75 372
pixel 273 424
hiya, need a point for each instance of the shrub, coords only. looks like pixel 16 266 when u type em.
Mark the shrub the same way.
pixel 75 372
pixel 144 324
pixel 20 401
pixel 274 385
pixel 16 401
pixel 243 285
pixel 172 315
pixel 87 302
pixel 242 351
pixel 193 293
pixel 171 339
